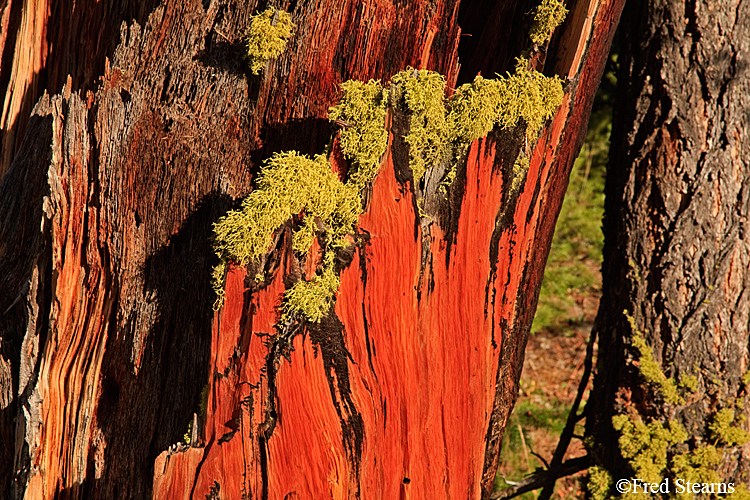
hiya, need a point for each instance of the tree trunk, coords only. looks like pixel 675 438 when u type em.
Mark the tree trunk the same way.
pixel 676 250
pixel 106 213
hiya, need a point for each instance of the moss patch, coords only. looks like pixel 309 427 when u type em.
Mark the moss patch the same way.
pixel 548 15
pixel 266 37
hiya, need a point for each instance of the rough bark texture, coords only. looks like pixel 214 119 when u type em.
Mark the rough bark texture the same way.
pixel 677 253
pixel 108 335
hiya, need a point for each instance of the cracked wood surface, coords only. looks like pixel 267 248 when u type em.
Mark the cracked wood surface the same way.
pixel 105 221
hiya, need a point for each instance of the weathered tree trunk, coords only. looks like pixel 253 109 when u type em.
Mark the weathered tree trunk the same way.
pixel 676 247
pixel 106 212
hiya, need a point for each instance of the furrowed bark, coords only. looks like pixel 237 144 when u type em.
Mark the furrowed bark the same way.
pixel 676 252
pixel 108 336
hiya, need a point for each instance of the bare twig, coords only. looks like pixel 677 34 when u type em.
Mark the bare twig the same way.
pixel 541 458
pixel 573 418
pixel 544 476
pixel 223 36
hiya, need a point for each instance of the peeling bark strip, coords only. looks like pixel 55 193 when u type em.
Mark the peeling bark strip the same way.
pixel 105 295
pixel 676 253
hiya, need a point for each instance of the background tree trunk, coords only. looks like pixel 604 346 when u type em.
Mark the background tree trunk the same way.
pixel 106 212
pixel 676 247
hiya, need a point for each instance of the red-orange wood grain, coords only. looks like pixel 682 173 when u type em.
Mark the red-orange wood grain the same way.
pixel 406 409
pixel 105 224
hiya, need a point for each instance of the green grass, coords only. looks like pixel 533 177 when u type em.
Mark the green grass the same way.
pixel 576 253
pixel 516 456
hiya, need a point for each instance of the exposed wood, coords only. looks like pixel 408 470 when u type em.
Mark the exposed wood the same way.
pixel 404 390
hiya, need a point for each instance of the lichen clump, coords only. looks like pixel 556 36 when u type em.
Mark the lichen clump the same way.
pixel 646 445
pixel 313 298
pixel 440 127
pixel 289 185
pixel 363 136
pixel 652 452
pixel 548 15
pixel 722 429
pixel 599 483
pixel 294 187
pixel 266 37
pixel 422 92
pixel 650 369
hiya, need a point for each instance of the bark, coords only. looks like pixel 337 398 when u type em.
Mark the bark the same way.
pixel 677 200
pixel 106 212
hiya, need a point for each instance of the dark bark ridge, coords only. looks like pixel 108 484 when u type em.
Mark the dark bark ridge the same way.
pixel 676 249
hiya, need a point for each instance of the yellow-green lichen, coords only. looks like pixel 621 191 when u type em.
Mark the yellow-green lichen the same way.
pixel 438 127
pixel 599 482
pixel 294 187
pixel 423 94
pixel 188 436
pixel 218 275
pixel 689 382
pixel 203 404
pixel 473 109
pixel 364 139
pixel 645 445
pixel 530 96
pixel 289 184
pixel 652 452
pixel 723 429
pixel 520 167
pixel 304 236
pixel 740 493
pixel 266 37
pixel 548 15
pixel 650 369
pixel 311 299
pixel 697 466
